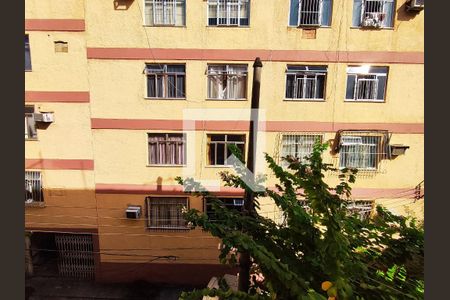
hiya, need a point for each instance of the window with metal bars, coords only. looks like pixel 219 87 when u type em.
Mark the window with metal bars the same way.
pixel 166 81
pixel 366 83
pixel 310 13
pixel 228 12
pixel 165 12
pixel 230 203
pixel 373 13
pixel 166 213
pixel 227 82
pixel 305 82
pixel 27 53
pixel 30 123
pixel 362 150
pixel 33 187
pixel 298 145
pixel 166 149
pixel 362 209
pixel 218 151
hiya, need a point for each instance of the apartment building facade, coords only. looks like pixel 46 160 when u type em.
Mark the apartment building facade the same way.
pixel 124 96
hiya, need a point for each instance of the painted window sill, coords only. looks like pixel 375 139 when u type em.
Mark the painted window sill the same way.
pixel 226 100
pixel 303 100
pixel 165 99
pixel 364 101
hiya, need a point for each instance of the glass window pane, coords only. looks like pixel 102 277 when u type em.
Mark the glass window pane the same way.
pixel 180 86
pixel 151 86
pixel 320 87
pixel 381 87
pixel 290 79
pixel 350 94
pixel 220 159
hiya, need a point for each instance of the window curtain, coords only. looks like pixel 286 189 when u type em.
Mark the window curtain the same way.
pixel 157 149
pixel 236 82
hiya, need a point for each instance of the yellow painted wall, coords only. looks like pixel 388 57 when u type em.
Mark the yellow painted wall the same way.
pixel 120 87
pixel 69 199
pixel 117 232
pixel 57 71
pixel 268 30
pixel 117 89
pixel 68 137
pixel 54 9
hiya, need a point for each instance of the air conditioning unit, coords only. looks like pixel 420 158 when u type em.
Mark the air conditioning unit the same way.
pixel 371 21
pixel 397 149
pixel 44 117
pixel 133 212
pixel 415 5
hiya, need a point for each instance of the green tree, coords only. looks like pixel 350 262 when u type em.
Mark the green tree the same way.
pixel 377 258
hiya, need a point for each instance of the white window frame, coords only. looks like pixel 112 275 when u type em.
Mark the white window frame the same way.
pixel 226 143
pixel 300 14
pixel 376 15
pixel 237 202
pixel 166 20
pixel 164 73
pixel 228 4
pixel 151 220
pixel 303 75
pixel 29 116
pixel 33 187
pixel 225 93
pixel 167 134
pixel 361 74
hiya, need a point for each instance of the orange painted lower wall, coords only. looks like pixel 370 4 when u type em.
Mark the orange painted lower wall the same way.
pixel 165 273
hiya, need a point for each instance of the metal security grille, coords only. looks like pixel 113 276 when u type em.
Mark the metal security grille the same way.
pixel 33 187
pixel 309 12
pixel 164 12
pixel 166 213
pixel 228 12
pixel 361 208
pixel 377 13
pixel 75 255
pixel 230 203
pixel 298 145
pixel 362 150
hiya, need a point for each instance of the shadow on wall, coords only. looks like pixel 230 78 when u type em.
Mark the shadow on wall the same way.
pixel 403 15
pixel 122 4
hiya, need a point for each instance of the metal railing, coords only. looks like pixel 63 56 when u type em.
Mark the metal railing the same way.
pixel 33 187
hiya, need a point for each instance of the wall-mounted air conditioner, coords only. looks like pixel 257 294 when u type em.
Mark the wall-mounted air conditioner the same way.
pixel 397 149
pixel 415 5
pixel 133 212
pixel 46 117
